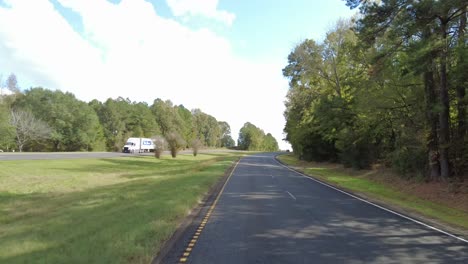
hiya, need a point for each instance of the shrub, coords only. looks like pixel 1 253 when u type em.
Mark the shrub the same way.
pixel 196 144
pixel 407 160
pixel 357 149
pixel 175 143
pixel 160 145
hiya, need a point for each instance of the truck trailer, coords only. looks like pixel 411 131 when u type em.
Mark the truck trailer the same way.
pixel 138 145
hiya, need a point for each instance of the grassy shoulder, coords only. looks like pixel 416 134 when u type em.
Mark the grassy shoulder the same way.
pixel 116 210
pixel 360 182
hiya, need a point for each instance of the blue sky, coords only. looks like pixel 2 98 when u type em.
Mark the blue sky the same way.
pixel 272 28
pixel 222 56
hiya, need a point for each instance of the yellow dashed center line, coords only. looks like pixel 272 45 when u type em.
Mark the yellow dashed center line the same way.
pixel 190 246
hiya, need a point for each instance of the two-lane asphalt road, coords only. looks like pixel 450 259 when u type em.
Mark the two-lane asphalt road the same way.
pixel 270 214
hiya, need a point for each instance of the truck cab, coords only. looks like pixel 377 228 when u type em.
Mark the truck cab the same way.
pixel 138 145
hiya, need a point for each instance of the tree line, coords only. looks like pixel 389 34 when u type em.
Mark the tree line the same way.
pixel 43 120
pixel 39 119
pixel 254 138
pixel 388 86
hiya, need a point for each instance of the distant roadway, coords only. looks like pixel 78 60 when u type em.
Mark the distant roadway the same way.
pixel 268 213
pixel 82 155
pixel 57 155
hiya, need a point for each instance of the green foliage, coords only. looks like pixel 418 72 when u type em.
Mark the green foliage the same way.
pixel 175 143
pixel 189 125
pixel 7 132
pixel 206 128
pixel 408 160
pixel 196 144
pixel 187 129
pixel 160 144
pixel 309 145
pixel 323 80
pixel 254 139
pixel 226 139
pixel 356 148
pixel 28 129
pixel 378 90
pixel 250 137
pixel 122 119
pixel 75 125
pixel 97 126
pixel 423 39
pixel 270 143
pixel 167 117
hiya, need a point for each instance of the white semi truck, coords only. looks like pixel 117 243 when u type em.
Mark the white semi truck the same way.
pixel 138 145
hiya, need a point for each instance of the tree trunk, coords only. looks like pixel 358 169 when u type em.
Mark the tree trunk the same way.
pixel 56 145
pixel 431 123
pixel 444 132
pixel 19 141
pixel 432 120
pixel 461 89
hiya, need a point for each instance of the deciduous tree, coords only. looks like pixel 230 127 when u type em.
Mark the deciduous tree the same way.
pixel 196 144
pixel 28 128
pixel 160 144
pixel 175 143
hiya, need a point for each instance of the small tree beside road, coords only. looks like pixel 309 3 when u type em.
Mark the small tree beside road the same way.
pixel 175 143
pixel 196 144
pixel 160 145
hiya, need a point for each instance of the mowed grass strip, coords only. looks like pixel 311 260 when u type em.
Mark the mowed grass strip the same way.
pixel 117 210
pixel 380 192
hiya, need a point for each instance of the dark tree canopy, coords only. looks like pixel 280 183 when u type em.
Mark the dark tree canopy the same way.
pixel 389 87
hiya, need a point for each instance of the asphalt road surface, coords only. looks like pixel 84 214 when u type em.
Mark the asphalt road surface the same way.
pixel 58 155
pixel 83 155
pixel 270 214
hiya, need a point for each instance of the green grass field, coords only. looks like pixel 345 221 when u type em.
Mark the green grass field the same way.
pixel 117 210
pixel 381 192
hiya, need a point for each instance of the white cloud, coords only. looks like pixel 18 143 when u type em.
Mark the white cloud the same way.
pixel 4 91
pixel 38 42
pixel 205 8
pixel 128 50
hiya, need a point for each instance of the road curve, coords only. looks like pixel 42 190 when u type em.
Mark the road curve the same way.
pixel 270 214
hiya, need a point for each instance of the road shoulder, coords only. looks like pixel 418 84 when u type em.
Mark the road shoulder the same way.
pixel 173 248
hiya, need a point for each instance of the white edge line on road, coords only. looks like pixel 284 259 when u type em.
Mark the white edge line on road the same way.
pixel 376 205
pixel 292 196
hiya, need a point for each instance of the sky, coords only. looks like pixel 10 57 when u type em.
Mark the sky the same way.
pixel 224 57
